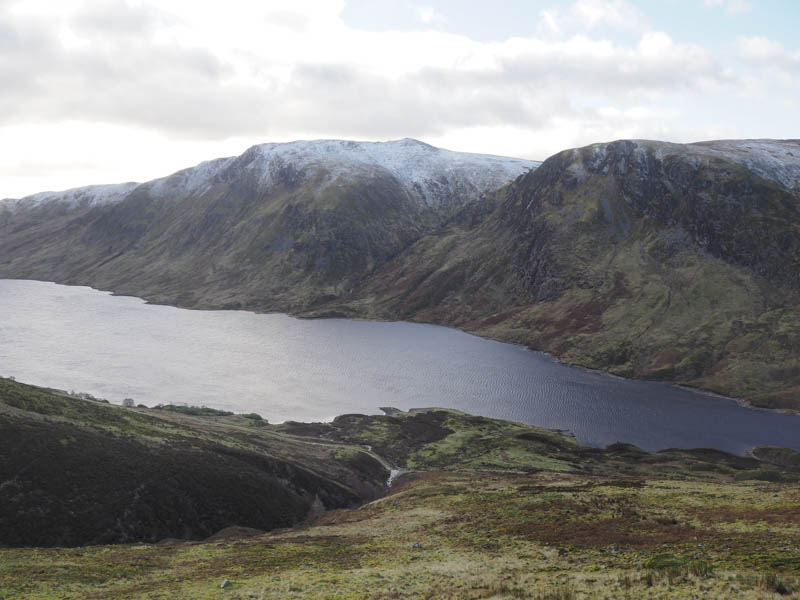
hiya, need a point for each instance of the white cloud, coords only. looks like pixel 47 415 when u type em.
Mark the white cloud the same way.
pixel 428 15
pixel 616 13
pixel 583 16
pixel 777 78
pixel 548 22
pixel 174 82
pixel 759 48
pixel 733 7
pixel 764 50
pixel 202 77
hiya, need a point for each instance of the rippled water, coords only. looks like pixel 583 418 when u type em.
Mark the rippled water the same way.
pixel 76 338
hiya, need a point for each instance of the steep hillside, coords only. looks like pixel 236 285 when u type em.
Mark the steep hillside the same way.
pixel 281 227
pixel 645 259
pixel 682 262
pixel 75 471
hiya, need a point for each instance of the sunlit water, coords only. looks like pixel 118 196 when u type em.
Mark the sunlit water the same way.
pixel 76 338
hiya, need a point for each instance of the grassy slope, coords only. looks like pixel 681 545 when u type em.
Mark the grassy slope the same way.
pixel 492 509
pixel 301 244
pixel 74 472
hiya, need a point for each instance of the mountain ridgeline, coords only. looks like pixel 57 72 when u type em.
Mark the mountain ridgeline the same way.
pixel 281 227
pixel 641 258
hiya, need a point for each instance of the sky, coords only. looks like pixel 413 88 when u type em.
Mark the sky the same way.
pixel 105 91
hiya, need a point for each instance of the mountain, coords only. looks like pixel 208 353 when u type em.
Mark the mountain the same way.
pixel 281 227
pixel 648 259
pixel 641 258
pixel 77 198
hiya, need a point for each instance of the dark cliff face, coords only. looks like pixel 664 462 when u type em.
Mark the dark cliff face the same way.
pixel 727 210
pixel 707 203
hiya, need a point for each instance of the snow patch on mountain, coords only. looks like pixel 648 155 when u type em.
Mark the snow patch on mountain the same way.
pixel 86 197
pixel 433 175
pixel 430 173
pixel 193 181
pixel 776 160
pixel 773 160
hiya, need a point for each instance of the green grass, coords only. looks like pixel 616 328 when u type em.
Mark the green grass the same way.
pixel 197 411
pixel 460 535
pixel 489 509
pixel 75 471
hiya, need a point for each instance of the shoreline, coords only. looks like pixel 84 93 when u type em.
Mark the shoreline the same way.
pixel 543 353
pixel 542 407
pixel 395 471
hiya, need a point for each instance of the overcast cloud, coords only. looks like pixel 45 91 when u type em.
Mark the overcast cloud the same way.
pixel 101 91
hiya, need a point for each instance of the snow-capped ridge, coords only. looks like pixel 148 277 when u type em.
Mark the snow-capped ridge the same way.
pixel 776 160
pixel 773 160
pixel 86 196
pixel 191 181
pixel 424 170
pixel 433 175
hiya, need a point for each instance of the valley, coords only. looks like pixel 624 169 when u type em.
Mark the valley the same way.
pixel 259 340
pixel 285 368
pixel 668 262
pixel 644 259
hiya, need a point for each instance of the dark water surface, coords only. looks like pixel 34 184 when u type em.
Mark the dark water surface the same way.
pixel 76 338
